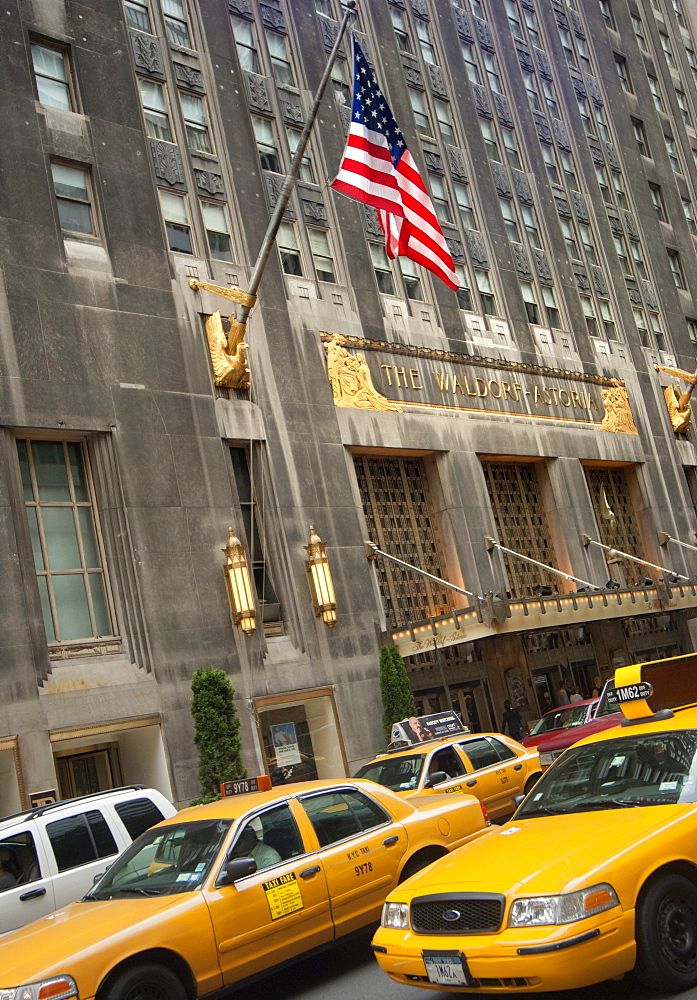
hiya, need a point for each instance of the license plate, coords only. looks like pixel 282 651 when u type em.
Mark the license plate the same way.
pixel 446 968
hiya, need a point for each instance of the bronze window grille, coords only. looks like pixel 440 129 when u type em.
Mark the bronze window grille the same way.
pixel 521 524
pixel 400 519
pixel 622 532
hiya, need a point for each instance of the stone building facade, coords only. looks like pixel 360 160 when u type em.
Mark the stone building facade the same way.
pixel 521 418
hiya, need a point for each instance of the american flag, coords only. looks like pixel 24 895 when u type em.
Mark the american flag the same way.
pixel 378 169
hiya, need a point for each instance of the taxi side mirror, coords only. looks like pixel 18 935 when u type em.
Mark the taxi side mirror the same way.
pixel 236 869
pixel 517 799
pixel 435 779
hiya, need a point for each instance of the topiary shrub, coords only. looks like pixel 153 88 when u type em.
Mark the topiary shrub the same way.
pixel 216 731
pixel 397 695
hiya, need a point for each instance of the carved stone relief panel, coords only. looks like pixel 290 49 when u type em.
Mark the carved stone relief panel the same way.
pixel 542 63
pixel 580 206
pixel 484 34
pixel 167 162
pixel 503 110
pixel 241 7
pixel 455 247
pixel 562 203
pixel 611 156
pixel 524 58
pixel 315 211
pixel 330 29
pixel 542 267
pixel 521 260
pixel 502 181
pixel 521 183
pixel 257 94
pixel 463 25
pixel 189 77
pixel 630 225
pixel 582 282
pixel 434 161
pixel 634 294
pixel 542 126
pixel 615 224
pixel 345 114
pixel 477 248
pixel 413 76
pixel 420 8
pixel 579 85
pixel 594 89
pixel 561 18
pixel 437 81
pixel 371 221
pixel 210 183
pixel 274 184
pixel 147 54
pixel 364 46
pixel 457 162
pixel 481 100
pixel 599 283
pixel 577 23
pixel 561 134
pixel 649 294
pixel 398 3
pixel 292 113
pixel 596 150
pixel 272 17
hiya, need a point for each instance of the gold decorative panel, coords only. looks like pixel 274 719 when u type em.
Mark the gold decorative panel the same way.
pixel 610 495
pixel 521 524
pixel 398 510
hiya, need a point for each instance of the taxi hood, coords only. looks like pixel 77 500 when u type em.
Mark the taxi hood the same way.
pixel 517 856
pixel 57 943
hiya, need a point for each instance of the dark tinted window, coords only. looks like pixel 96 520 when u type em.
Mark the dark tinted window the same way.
pixel 481 753
pixel 338 815
pixel 368 813
pixel 78 840
pixel 138 816
pixel 447 760
pixel 279 830
pixel 502 749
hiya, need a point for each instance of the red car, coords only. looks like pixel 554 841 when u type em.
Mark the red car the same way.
pixel 607 714
pixel 560 718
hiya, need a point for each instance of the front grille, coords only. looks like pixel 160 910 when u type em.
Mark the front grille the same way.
pixel 477 913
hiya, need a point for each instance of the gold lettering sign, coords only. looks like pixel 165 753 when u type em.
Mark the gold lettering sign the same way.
pixel 380 378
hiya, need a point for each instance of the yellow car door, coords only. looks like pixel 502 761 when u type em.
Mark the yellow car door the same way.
pixel 279 911
pixel 361 847
pixel 449 761
pixel 495 776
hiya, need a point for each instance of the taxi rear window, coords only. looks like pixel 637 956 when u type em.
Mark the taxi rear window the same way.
pixel 401 774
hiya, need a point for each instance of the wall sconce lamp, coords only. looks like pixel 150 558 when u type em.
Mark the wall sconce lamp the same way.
pixel 239 584
pixel 320 579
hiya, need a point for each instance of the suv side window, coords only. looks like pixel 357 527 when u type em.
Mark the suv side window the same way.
pixel 79 840
pixel 481 753
pixel 138 815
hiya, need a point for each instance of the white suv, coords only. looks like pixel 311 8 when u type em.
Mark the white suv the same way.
pixel 53 852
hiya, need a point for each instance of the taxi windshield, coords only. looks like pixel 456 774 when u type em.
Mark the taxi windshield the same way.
pixel 654 770
pixel 164 861
pixel 562 718
pixel 401 774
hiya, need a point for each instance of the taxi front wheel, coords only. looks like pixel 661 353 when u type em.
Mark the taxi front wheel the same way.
pixel 666 935
pixel 145 982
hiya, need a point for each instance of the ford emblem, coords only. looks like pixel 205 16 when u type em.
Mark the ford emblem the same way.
pixel 451 915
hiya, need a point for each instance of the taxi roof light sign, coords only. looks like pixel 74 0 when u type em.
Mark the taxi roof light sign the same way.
pixel 642 690
pixel 262 783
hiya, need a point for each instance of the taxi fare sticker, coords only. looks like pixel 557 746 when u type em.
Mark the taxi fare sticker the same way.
pixel 453 788
pixel 283 895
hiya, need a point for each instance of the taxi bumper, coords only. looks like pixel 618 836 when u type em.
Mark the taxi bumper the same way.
pixel 521 960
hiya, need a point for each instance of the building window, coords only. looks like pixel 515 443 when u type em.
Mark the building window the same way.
pixel 486 292
pixel 607 319
pixel 621 248
pixel 676 269
pixel 550 304
pixel 531 229
pixel 418 106
pixel 177 224
pixel 655 92
pixel 471 68
pixel 464 294
pixel 638 26
pixel 324 7
pixel 490 141
pixel 245 44
pixel 689 216
pixel 623 73
pixel 550 163
pixel 640 136
pixel 464 204
pixel 152 96
pixel 401 29
pixel 583 54
pixel 682 104
pixel 569 237
pixel 509 221
pixel 175 22
pixel 692 60
pixel 584 113
pixel 340 82
pixel 288 249
pixel 65 541
pixel 569 172
pixel 692 329
pixel 509 144
pixel 411 278
pixel 266 144
pixel 423 34
pixel 281 68
pixel 642 329
pixel 477 8
pixel 606 11
pixel 52 76
pixel 550 98
pixel 530 302
pixel 601 176
pixel 679 16
pixel 514 20
pixel 603 130
pixel 492 73
pixel 638 258
pixel 568 46
pixel 322 254
pixel 440 199
pixel 667 51
pixel 73 200
pixel 217 230
pixel 197 135
pixel 655 321
pixel 658 204
pixel 531 25
pixel 381 266
pixel 137 14
pixel 531 89
pixel 307 172
pixel 444 120
pixel 672 150
pixel 589 315
pixel 587 240
pixel 618 185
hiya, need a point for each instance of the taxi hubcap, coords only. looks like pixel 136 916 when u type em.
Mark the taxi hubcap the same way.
pixel 677 925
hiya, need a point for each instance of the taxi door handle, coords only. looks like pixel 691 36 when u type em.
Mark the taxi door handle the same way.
pixel 391 840
pixel 470 784
pixel 32 894
pixel 518 767
pixel 310 871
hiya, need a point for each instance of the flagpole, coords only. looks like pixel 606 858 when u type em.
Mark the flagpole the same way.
pixel 292 175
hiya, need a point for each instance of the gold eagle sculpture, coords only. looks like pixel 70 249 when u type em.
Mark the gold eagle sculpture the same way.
pixel 228 353
pixel 677 402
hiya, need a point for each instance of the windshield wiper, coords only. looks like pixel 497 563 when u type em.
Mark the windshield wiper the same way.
pixel 130 889
pixel 544 811
pixel 606 804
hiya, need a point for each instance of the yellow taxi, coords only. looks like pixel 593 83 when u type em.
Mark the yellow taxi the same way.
pixel 595 875
pixel 222 892
pixel 492 767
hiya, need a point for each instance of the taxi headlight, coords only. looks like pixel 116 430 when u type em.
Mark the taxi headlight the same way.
pixel 55 988
pixel 395 915
pixel 564 909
